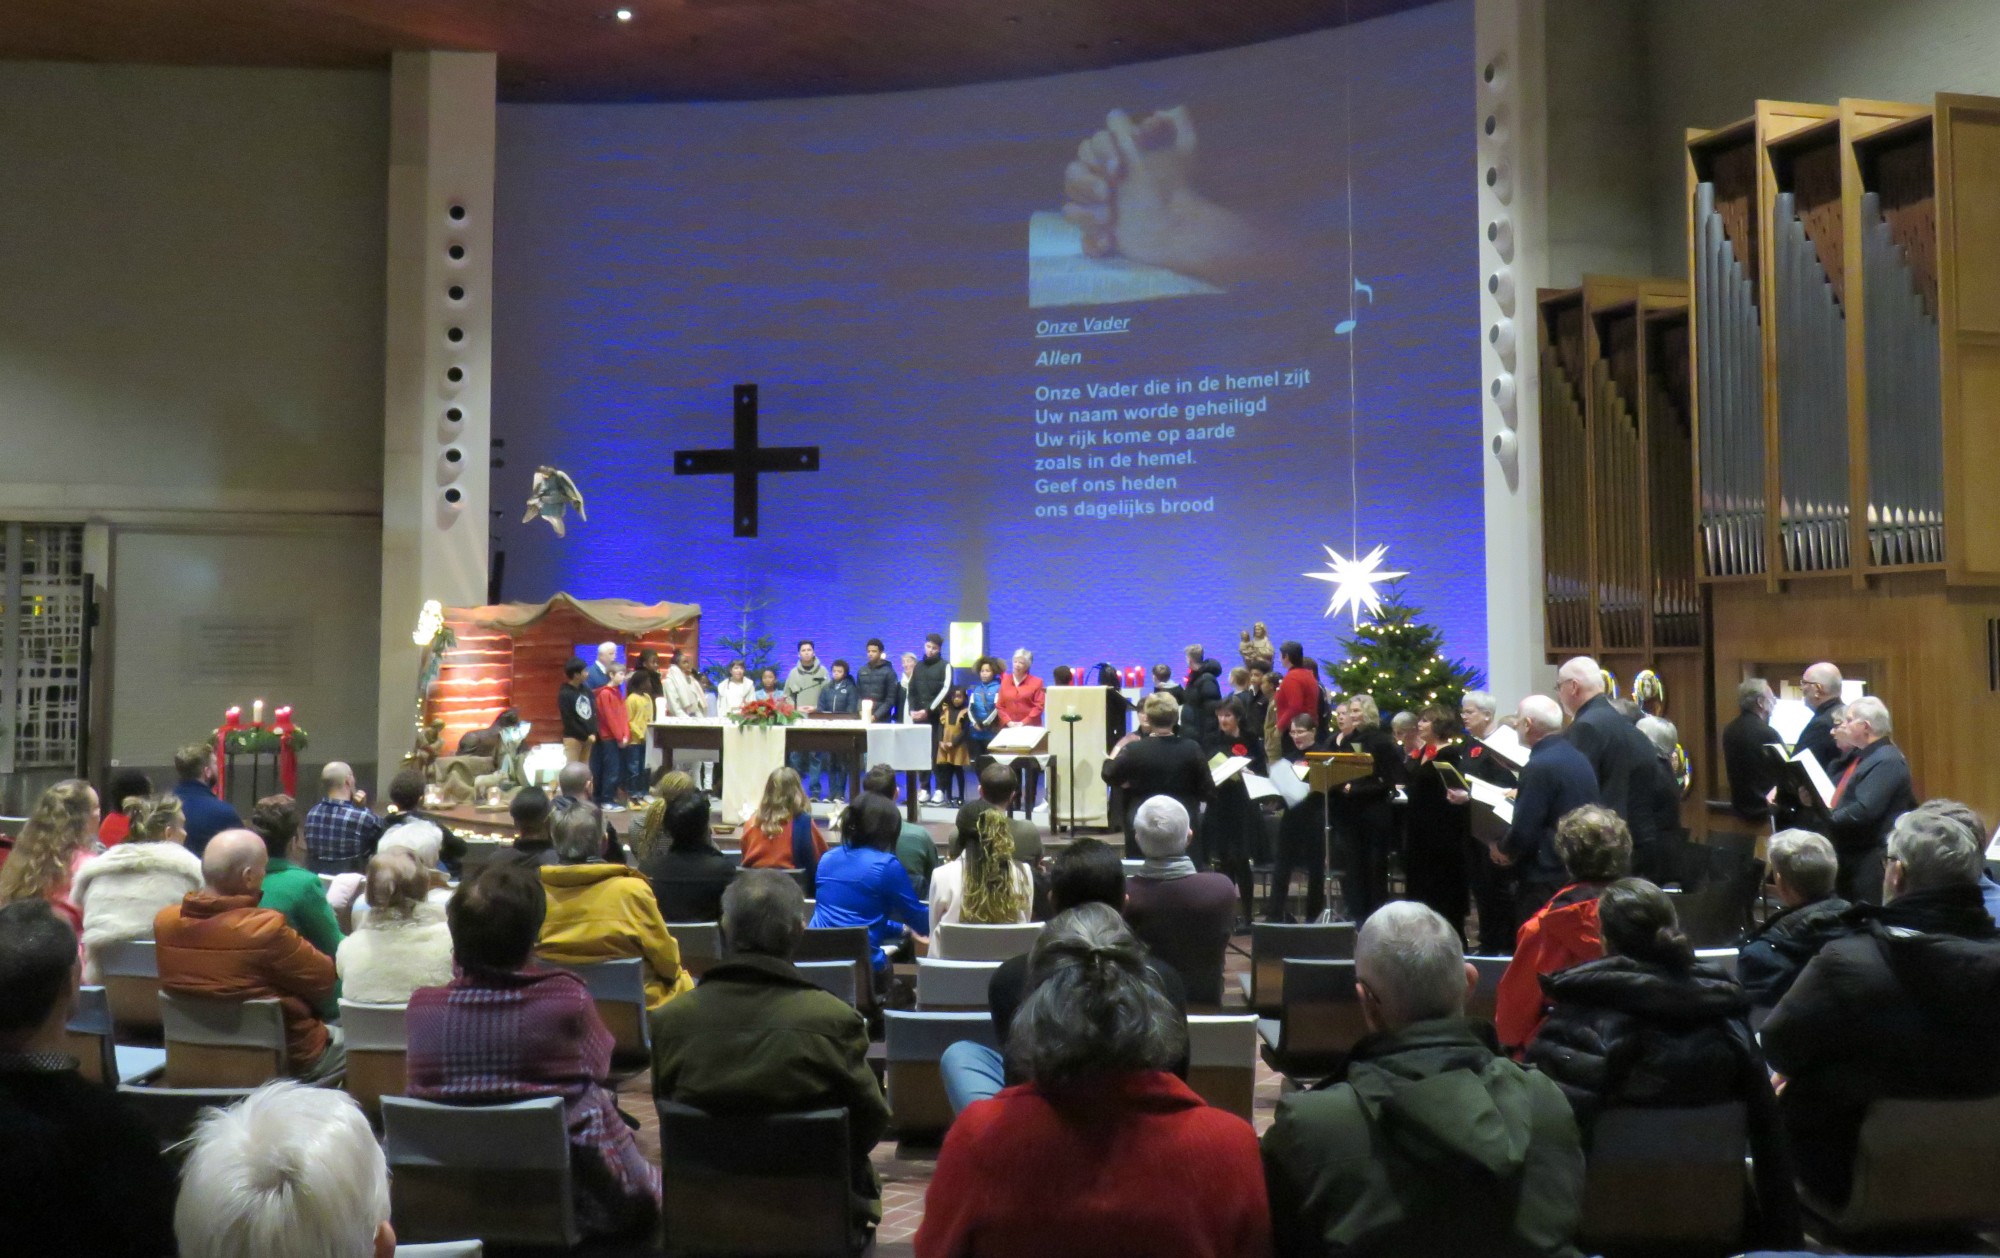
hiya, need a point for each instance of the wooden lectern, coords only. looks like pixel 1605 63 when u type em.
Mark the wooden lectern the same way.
pixel 1326 770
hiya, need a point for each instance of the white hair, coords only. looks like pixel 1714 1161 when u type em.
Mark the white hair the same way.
pixel 289 1172
pixel 1412 962
pixel 1585 673
pixel 1023 653
pixel 1160 827
pixel 1935 850
pixel 1403 722
pixel 1871 712
pixel 1805 861
pixel 420 837
pixel 1542 712
pixel 1661 732
pixel 607 651
pixel 1480 701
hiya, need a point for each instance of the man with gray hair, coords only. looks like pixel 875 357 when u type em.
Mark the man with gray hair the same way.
pixel 1744 760
pixel 1619 755
pixel 604 910
pixel 1434 1144
pixel 1556 781
pixel 287 1171
pixel 758 1037
pixel 1802 873
pixel 1183 915
pixel 1870 794
pixel 1908 1005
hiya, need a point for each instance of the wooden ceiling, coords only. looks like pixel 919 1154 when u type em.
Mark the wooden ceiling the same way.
pixel 575 50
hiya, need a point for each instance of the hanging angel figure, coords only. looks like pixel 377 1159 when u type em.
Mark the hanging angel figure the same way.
pixel 554 493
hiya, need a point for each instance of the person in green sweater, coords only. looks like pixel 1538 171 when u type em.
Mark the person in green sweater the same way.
pixel 289 886
pixel 1434 1144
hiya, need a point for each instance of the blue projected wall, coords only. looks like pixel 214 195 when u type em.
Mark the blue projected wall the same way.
pixel 1084 378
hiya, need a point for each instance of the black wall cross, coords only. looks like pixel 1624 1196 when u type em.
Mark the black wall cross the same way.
pixel 746 460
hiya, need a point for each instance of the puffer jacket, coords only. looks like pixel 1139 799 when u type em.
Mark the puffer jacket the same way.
pixel 1626 1033
pixel 387 958
pixel 123 890
pixel 1772 959
pixel 227 947
pixel 1204 692
pixel 1562 934
pixel 603 912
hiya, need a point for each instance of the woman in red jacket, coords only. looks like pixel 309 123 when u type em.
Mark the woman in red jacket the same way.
pixel 1596 850
pixel 1022 698
pixel 1102 1152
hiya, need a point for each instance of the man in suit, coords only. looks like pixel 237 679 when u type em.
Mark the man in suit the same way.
pixel 1820 686
pixel 1161 763
pixel 1620 756
pixel 1556 780
pixel 1751 775
pixel 1492 885
pixel 1868 796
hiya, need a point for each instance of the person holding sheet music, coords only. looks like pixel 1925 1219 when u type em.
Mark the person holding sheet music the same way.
pixel 1871 792
pixel 1232 831
pixel 1492 885
pixel 1302 830
pixel 1440 829
pixel 1556 781
pixel 1362 816
pixel 1820 687
pixel 1161 763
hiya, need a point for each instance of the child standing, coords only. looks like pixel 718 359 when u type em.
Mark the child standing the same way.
pixel 952 754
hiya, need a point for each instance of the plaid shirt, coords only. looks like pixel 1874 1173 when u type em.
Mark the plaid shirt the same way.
pixel 492 1038
pixel 340 830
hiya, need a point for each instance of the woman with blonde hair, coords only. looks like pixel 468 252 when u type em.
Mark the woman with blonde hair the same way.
pixel 644 836
pixel 121 891
pixel 403 942
pixel 782 834
pixel 59 839
pixel 984 884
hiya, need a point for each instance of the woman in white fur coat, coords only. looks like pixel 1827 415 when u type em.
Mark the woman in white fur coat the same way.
pixel 402 943
pixel 122 891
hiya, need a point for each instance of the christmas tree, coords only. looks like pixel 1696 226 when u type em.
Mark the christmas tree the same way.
pixel 1399 660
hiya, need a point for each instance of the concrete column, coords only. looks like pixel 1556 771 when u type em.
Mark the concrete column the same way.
pixel 438 368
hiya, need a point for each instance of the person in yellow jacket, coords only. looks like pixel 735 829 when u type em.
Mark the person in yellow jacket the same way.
pixel 599 911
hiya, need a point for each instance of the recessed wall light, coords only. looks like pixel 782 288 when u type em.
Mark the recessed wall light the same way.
pixel 623 15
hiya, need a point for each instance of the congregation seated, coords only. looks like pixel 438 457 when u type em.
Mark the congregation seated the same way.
pixel 1595 849
pixel 1906 1005
pixel 206 815
pixel 505 1029
pixel 1088 871
pixel 687 872
pixel 121 891
pixel 422 843
pixel 984 885
pixel 575 788
pixel 1989 888
pixel 287 1172
pixel 1100 1150
pixel 1182 915
pixel 58 841
pixel 1802 874
pixel 531 813
pixel 340 831
pixel 1433 1143
pixel 403 942
pixel 758 1037
pixel 915 847
pixel 115 821
pixel 220 943
pixel 407 826
pixel 648 832
pixel 999 790
pixel 79 1172
pixel 600 910
pixel 782 833
pixel 861 883
pixel 289 886
pixel 1646 1027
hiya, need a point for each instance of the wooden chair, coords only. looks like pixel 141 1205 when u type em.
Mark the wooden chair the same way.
pixel 170 1113
pixel 954 986
pixel 214 1043
pixel 843 943
pixel 94 1044
pixel 965 941
pixel 832 976
pixel 1222 1061
pixel 700 944
pixel 766 1185
pixel 1666 1180
pixel 131 974
pixel 619 988
pixel 1921 1167
pixel 1273 943
pixel 912 1045
pixel 377 1048
pixel 496 1172
pixel 1318 1022
pixel 1486 993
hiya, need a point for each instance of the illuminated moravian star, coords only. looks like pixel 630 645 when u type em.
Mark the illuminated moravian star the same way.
pixel 1354 582
pixel 552 497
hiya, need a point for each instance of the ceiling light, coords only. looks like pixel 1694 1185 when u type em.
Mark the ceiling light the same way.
pixel 623 15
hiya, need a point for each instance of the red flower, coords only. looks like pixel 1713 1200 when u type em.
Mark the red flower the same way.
pixel 1238 749
pixel 1476 750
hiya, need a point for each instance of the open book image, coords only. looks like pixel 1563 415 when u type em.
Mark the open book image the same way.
pixel 1503 742
pixel 1799 771
pixel 1061 274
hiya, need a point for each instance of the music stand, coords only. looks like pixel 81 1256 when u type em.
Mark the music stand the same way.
pixel 1326 770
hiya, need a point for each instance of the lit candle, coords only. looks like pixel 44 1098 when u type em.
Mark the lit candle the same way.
pixel 257 712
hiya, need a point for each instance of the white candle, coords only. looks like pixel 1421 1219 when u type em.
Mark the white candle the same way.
pixel 257 712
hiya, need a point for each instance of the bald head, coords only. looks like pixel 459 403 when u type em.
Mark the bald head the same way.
pixel 1578 682
pixel 336 780
pixel 1540 717
pixel 1820 684
pixel 233 863
pixel 574 780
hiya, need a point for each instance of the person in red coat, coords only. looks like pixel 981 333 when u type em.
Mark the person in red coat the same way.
pixel 1298 690
pixel 1596 850
pixel 1022 698
pixel 1102 1152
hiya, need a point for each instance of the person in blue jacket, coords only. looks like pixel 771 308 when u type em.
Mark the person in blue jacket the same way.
pixel 841 694
pixel 983 709
pixel 861 883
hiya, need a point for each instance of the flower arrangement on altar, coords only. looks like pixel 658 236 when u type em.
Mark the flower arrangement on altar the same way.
pixel 281 738
pixel 766 713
